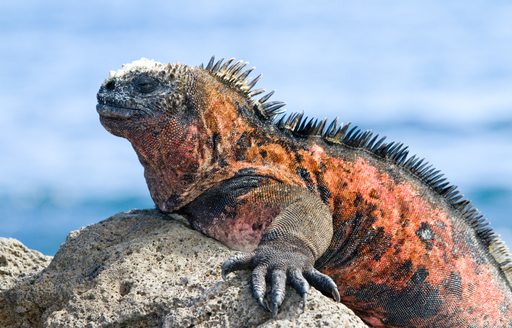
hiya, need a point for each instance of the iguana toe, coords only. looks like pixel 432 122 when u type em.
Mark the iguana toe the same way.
pixel 300 284
pixel 278 290
pixel 259 285
pixel 236 263
pixel 323 283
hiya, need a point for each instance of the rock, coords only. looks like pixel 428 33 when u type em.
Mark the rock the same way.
pixel 145 269
pixel 18 262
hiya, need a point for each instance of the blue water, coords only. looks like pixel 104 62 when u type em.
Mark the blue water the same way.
pixel 436 75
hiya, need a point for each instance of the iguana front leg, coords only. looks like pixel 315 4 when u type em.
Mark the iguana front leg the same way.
pixel 297 236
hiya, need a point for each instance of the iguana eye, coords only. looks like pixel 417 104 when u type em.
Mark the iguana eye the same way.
pixel 145 84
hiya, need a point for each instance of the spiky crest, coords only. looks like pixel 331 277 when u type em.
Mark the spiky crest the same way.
pixel 232 74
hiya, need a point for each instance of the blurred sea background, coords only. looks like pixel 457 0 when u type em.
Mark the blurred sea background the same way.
pixel 436 75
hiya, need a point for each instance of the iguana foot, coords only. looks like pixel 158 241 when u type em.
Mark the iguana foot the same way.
pixel 278 263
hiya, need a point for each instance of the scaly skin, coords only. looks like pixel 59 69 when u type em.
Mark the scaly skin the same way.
pixel 400 253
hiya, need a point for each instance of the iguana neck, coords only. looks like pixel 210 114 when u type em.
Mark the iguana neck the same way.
pixel 183 159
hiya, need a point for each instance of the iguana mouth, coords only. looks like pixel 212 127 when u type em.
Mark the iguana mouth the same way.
pixel 117 112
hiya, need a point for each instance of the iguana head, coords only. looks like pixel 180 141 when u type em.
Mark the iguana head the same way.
pixel 140 95
pixel 182 121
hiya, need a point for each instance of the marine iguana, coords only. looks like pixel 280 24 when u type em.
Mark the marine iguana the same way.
pixel 311 203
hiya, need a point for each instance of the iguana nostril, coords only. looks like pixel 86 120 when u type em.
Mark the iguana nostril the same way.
pixel 110 85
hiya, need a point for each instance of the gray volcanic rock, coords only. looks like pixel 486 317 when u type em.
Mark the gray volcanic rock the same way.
pixel 18 262
pixel 146 269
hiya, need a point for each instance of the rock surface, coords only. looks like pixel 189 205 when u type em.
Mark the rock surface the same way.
pixel 17 262
pixel 144 269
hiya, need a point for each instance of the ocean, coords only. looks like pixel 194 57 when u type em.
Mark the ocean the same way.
pixel 434 75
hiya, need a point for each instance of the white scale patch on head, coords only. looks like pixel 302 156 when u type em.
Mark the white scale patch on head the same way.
pixel 142 64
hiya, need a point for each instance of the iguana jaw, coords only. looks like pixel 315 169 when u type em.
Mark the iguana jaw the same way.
pixel 118 119
pixel 117 112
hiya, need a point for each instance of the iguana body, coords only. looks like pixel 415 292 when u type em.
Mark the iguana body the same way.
pixel 402 245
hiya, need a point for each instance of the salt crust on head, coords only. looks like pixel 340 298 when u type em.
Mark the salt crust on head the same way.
pixel 141 64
